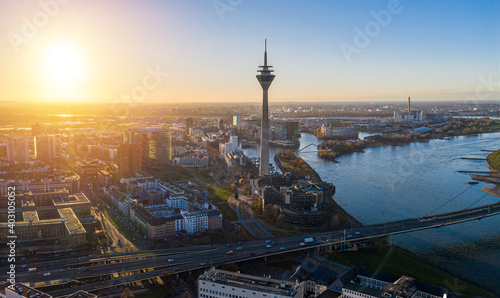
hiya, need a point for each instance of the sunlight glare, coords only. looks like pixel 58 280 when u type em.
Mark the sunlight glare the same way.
pixel 63 64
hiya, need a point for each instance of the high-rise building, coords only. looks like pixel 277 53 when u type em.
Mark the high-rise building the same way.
pixel 189 125
pixel 18 149
pixel 237 122
pixel 265 79
pixel 156 143
pixel 130 160
pixel 284 131
pixel 48 147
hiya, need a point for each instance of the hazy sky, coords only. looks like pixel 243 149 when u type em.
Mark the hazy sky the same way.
pixel 321 50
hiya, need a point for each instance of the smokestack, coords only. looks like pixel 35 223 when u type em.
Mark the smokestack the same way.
pixel 409 108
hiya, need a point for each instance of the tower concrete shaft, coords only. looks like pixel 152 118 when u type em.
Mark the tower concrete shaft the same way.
pixel 265 79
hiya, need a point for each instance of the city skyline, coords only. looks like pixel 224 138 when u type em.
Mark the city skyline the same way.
pixel 67 51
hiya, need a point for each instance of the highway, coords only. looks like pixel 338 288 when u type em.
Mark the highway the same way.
pixel 93 272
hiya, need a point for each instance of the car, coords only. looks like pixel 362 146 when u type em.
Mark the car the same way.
pixel 357 233
pixel 229 245
pixel 240 243
pixel 302 244
pixel 275 242
pixel 349 236
pixel 268 241
pixel 239 247
pixel 202 263
pixel 269 245
pixel 171 260
pixel 23 266
pixel 282 248
pixel 229 252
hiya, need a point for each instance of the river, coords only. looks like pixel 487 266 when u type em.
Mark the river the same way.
pixel 392 183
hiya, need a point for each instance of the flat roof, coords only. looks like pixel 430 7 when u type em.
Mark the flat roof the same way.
pixel 81 294
pixel 362 289
pixel 257 283
pixel 26 291
pixel 27 215
pixel 73 225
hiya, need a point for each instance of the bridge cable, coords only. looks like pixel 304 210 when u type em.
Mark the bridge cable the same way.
pixel 298 151
pixel 477 201
pixel 431 212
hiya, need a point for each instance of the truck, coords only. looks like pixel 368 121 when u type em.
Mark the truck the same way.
pixel 309 240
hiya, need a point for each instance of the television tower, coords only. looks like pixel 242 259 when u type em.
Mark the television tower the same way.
pixel 265 79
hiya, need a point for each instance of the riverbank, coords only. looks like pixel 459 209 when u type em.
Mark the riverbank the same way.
pixel 289 162
pixel 398 261
pixel 333 149
pixel 493 160
pixel 285 166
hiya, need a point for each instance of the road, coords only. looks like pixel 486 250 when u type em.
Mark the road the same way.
pixel 246 217
pixel 120 243
pixel 144 265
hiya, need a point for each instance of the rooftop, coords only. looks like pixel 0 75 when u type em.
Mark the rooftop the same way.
pixel 81 294
pixel 26 291
pixel 73 225
pixel 257 283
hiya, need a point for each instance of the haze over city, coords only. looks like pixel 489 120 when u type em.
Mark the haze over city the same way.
pixel 71 51
pixel 240 148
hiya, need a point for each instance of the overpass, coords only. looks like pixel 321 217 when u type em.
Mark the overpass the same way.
pixel 95 273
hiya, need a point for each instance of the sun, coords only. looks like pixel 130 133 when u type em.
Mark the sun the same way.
pixel 63 64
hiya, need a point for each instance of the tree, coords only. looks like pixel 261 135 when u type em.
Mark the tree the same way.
pixel 247 188
pixel 127 293
pixel 335 221
pixel 280 220
pixel 233 187
pixel 186 295
pixel 269 212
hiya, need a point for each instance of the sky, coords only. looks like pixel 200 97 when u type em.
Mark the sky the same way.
pixel 177 51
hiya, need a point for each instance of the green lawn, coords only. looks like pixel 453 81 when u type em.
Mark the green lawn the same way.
pixel 219 197
pixel 494 160
pixel 275 230
pixel 398 263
